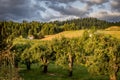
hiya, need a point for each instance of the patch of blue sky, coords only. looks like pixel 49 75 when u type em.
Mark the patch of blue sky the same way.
pixel 78 4
pixel 105 6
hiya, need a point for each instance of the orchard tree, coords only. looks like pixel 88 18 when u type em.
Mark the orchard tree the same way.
pixel 24 52
pixel 45 54
pixel 42 52
pixel 103 55
pixel 17 50
pixel 65 53
pixel 27 56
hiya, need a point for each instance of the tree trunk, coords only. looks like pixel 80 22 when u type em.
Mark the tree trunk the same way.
pixel 113 76
pixel 16 63
pixel 45 69
pixel 45 66
pixel 28 64
pixel 70 73
pixel 70 65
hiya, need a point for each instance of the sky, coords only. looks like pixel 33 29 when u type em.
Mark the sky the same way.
pixel 51 10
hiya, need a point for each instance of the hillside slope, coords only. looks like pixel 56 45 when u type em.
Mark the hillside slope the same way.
pixel 113 28
pixel 78 33
pixel 68 34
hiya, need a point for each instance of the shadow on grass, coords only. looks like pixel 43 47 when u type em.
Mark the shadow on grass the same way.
pixel 58 73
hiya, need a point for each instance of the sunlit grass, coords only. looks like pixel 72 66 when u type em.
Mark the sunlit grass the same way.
pixel 113 28
pixel 68 34
pixel 113 33
pixel 78 33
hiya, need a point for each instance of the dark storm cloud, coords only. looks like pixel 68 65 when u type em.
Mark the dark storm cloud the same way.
pixel 107 15
pixel 8 7
pixel 43 10
pixel 91 3
pixel 68 9
pixel 111 18
pixel 18 9
pixel 85 1
pixel 59 1
pixel 115 5
pixel 98 2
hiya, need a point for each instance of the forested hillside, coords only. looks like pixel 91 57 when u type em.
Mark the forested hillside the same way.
pixel 10 30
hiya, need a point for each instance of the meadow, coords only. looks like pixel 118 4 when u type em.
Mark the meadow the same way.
pixel 113 31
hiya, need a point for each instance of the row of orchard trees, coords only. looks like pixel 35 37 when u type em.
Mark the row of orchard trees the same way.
pixel 98 52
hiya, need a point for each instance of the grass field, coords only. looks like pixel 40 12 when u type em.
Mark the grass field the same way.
pixel 78 33
pixel 69 34
pixel 58 73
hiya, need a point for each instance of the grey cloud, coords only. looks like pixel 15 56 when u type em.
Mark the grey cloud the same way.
pixel 25 9
pixel 18 9
pixel 69 10
pixel 38 7
pixel 115 5
pixel 109 16
pixel 103 12
pixel 60 1
pixel 98 1
pixel 93 2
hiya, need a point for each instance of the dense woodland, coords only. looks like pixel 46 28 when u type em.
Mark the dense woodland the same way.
pixel 99 53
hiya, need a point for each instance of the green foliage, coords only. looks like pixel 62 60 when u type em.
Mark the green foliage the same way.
pixel 67 51
pixel 50 29
pixel 68 27
pixel 102 54
pixel 44 51
pixel 60 47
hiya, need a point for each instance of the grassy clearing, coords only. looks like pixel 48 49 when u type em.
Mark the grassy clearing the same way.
pixel 58 73
pixel 78 33
pixel 113 33
pixel 68 34
pixel 113 28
